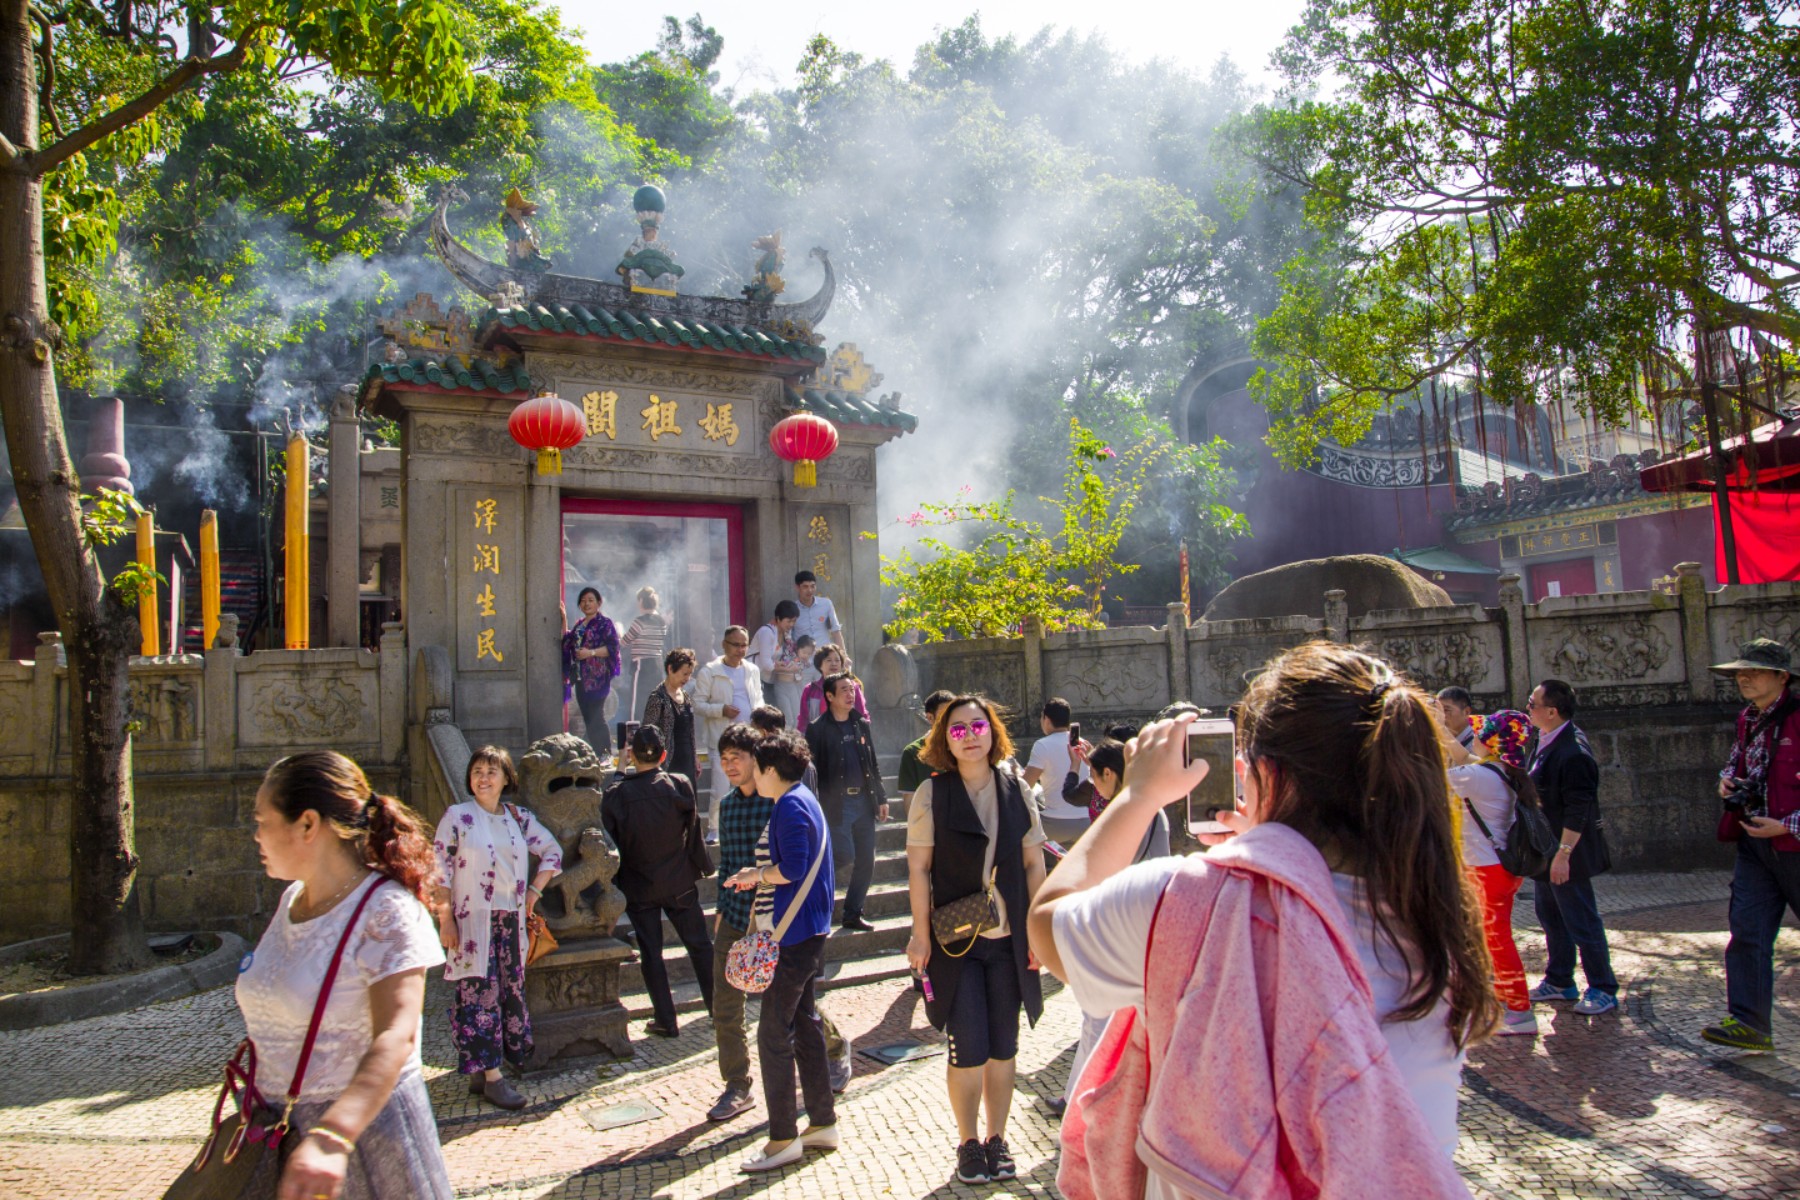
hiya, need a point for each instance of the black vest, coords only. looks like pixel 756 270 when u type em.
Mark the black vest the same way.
pixel 958 853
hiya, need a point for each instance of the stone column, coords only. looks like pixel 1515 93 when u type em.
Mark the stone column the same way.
pixel 1337 615
pixel 1177 631
pixel 543 612
pixel 1034 697
pixel 344 523
pixel 1696 640
pixel 44 699
pixel 221 699
pixel 1518 658
pixel 393 690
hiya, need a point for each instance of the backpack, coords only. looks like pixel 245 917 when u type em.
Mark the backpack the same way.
pixel 1531 845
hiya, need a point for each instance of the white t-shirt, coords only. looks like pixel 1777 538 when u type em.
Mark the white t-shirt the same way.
pixel 1050 754
pixel 921 830
pixel 740 690
pixel 279 985
pixel 1493 798
pixel 1102 933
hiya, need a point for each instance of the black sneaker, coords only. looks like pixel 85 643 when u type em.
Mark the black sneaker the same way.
pixel 972 1162
pixel 857 922
pixel 1000 1160
pixel 730 1105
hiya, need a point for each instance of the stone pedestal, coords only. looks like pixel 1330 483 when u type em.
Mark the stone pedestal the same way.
pixel 573 997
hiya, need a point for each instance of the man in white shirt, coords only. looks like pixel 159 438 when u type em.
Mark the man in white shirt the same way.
pixel 1049 766
pixel 1458 706
pixel 772 651
pixel 726 689
pixel 817 618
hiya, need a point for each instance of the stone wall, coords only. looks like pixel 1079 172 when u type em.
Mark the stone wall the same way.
pixel 194 834
pixel 1659 722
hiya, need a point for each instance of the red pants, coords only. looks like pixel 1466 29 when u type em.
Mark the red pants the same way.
pixel 1498 887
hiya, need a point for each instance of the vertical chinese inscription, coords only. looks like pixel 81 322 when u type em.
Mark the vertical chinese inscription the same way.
pixel 486 525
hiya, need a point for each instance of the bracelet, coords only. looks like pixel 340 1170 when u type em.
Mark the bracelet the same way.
pixel 1565 849
pixel 535 890
pixel 334 1137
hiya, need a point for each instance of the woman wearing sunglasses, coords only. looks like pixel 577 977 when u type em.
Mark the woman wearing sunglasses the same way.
pixel 1312 981
pixel 971 833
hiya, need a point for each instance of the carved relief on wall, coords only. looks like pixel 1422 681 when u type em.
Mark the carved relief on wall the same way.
pixel 1219 670
pixel 1438 660
pixel 560 991
pixel 1633 697
pixel 15 702
pixel 849 465
pixel 318 709
pixel 463 439
pixel 1130 679
pixel 1608 650
pixel 1001 678
pixel 593 369
pixel 166 709
pixel 1376 469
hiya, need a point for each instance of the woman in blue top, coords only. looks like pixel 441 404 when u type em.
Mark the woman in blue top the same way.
pixel 790 1032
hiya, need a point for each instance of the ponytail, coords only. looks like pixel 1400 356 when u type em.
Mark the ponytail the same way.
pixel 1359 772
pixel 388 836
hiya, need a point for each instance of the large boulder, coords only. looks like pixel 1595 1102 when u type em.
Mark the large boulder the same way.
pixel 1368 581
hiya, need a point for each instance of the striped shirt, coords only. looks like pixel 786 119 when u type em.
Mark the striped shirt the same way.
pixel 646 637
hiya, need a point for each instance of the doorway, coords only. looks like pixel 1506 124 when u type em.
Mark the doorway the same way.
pixel 1570 577
pixel 691 555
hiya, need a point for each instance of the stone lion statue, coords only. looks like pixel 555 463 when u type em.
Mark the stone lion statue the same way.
pixel 560 781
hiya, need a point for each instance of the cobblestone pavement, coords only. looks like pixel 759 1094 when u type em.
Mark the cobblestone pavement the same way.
pixel 1625 1105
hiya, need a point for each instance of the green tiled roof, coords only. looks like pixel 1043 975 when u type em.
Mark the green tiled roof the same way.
pixel 1437 558
pixel 850 410
pixel 479 375
pixel 628 325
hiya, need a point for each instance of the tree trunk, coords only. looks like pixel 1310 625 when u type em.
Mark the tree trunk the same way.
pixel 98 632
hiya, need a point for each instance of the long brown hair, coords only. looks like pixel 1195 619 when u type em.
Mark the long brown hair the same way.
pixel 386 834
pixel 1358 771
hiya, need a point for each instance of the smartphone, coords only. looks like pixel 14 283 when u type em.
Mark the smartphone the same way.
pixel 1213 741
pixel 1055 849
pixel 1075 733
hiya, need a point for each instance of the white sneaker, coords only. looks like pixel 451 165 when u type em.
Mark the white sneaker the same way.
pixel 1519 1024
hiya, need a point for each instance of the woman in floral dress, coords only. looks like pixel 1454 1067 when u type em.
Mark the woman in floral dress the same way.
pixel 591 663
pixel 483 900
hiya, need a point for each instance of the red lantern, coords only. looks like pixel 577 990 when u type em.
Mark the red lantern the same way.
pixel 548 424
pixel 803 439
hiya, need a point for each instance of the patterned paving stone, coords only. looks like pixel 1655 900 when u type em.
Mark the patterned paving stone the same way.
pixel 1629 1105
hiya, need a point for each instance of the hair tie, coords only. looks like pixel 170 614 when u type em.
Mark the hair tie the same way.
pixel 1379 692
pixel 368 811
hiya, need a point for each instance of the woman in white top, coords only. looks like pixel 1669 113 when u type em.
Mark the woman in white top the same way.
pixel 1488 776
pixel 362 1127
pixel 1337 748
pixel 482 903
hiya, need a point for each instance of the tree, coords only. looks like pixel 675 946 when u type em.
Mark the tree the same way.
pixel 407 50
pixel 1590 202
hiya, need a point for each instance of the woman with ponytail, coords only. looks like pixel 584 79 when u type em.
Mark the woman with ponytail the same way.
pixel 362 1126
pixel 1315 977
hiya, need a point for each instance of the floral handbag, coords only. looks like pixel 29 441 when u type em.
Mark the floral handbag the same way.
pixel 750 966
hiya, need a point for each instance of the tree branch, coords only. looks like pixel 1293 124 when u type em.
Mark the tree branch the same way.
pixel 8 152
pixel 53 156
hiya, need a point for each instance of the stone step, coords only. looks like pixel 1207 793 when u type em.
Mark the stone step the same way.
pixel 885 944
pixel 890 845
pixel 887 897
pixel 847 972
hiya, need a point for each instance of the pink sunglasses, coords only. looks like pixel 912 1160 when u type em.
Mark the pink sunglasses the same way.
pixel 976 728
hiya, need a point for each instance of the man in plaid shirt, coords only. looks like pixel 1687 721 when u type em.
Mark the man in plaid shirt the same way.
pixel 743 827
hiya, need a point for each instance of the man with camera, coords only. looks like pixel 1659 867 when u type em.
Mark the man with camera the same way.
pixel 1760 786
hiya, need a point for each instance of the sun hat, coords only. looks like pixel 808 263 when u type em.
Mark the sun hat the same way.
pixel 1758 654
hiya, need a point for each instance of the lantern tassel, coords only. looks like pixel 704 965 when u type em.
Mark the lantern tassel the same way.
pixel 549 461
pixel 806 473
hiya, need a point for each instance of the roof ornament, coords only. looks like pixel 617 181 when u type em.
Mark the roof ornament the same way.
pixel 847 371
pixel 423 325
pixel 649 266
pixel 766 283
pixel 523 250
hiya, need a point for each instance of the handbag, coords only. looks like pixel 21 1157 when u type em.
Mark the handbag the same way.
pixel 1530 846
pixel 969 917
pixel 539 941
pixel 1731 825
pixel 750 965
pixel 254 1128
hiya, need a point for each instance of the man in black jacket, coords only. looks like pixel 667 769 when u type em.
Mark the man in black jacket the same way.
pixel 1568 782
pixel 653 821
pixel 850 791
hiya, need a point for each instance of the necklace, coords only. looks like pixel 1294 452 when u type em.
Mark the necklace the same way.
pixel 313 911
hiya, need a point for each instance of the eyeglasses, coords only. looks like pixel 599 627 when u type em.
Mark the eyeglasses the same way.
pixel 976 728
pixel 736 645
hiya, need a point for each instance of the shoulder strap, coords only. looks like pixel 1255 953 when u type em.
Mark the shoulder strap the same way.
pixel 1485 831
pixel 318 1016
pixel 793 911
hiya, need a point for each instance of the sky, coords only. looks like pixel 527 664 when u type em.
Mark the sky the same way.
pixel 764 42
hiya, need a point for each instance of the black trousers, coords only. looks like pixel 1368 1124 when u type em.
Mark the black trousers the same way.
pixel 791 1034
pixel 690 926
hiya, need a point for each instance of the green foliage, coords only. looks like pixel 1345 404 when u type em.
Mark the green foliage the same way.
pixel 107 517
pixel 1592 204
pixel 1014 568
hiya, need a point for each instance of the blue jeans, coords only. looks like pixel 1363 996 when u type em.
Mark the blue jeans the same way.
pixel 1571 920
pixel 1766 882
pixel 853 845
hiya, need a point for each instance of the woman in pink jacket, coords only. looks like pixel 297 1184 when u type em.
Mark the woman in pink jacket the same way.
pixel 1316 977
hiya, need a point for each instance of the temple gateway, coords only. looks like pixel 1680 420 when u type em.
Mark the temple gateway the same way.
pixel 670 482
